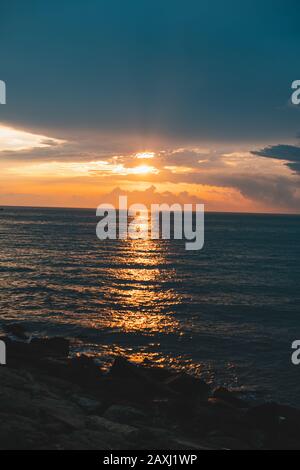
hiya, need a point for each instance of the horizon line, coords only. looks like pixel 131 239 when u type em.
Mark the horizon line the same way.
pixel 297 214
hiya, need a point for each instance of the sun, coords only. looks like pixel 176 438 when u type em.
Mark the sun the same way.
pixel 144 170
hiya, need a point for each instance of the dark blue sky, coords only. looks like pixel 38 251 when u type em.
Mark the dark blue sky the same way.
pixel 190 70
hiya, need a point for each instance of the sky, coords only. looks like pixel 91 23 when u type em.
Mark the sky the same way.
pixel 165 101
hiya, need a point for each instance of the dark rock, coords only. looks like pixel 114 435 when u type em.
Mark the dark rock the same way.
pixel 123 369
pixel 55 367
pixel 225 420
pixel 227 443
pixel 17 330
pixel 269 415
pixel 158 374
pixel 186 444
pixel 89 405
pixel 85 371
pixel 131 390
pixel 59 347
pixel 102 424
pixel 19 353
pixel 229 397
pixel 125 414
pixel 90 439
pixel 188 386
pixel 280 424
pixel 20 433
pixel 68 414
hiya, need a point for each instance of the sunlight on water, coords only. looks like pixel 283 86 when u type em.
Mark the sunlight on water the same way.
pixel 218 312
pixel 135 289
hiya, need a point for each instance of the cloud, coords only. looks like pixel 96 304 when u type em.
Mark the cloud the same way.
pixel 150 196
pixel 221 173
pixel 289 154
pixel 15 140
pixel 270 190
pixel 152 68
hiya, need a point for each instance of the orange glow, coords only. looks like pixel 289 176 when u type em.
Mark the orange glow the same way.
pixel 40 170
pixel 144 170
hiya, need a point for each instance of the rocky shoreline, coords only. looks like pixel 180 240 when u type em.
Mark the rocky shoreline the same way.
pixel 49 400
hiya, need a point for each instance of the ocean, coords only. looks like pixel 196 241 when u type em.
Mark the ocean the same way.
pixel 228 313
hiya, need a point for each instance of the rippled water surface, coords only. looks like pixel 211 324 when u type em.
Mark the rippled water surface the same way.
pixel 229 312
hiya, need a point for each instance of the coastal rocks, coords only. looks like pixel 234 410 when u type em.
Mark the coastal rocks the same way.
pixel 56 402
pixel 91 439
pixel 20 433
pixel 125 414
pixel 227 443
pixel 139 380
pixel 53 347
pixel 68 415
pixel 124 430
pixel 230 398
pixel 89 405
pixel 17 332
pixel 188 386
pixel 84 371
pixel 38 348
pixel 279 424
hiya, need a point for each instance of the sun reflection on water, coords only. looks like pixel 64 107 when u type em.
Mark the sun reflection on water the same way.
pixel 140 300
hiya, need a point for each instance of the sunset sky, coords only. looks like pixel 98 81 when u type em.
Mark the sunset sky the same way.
pixel 166 101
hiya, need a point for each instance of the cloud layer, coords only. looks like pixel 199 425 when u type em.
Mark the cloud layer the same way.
pixel 289 154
